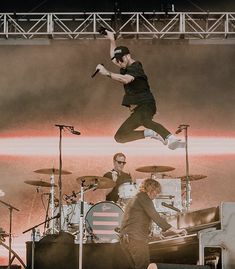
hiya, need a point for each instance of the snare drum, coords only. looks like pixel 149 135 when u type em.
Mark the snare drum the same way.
pixel 127 190
pixel 102 218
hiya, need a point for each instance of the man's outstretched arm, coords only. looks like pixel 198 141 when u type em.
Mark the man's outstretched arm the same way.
pixel 110 36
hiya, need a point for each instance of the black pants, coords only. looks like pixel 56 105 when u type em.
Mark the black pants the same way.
pixel 137 253
pixel 141 116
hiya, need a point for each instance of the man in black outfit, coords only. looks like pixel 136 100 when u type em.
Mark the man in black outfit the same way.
pixel 117 175
pixel 135 229
pixel 138 97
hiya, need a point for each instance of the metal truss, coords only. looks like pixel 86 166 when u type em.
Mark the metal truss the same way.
pixel 142 25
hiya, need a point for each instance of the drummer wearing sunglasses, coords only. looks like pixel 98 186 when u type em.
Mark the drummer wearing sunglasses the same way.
pixel 117 175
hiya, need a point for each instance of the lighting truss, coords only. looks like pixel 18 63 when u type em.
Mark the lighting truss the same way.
pixel 142 25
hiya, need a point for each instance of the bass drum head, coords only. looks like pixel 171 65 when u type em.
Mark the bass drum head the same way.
pixel 102 218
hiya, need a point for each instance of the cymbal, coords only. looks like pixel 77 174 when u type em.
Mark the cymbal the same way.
pixel 192 177
pixel 102 182
pixel 155 169
pixel 39 183
pixel 50 171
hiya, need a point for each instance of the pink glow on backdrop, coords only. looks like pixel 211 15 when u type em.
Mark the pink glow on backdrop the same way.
pixel 82 146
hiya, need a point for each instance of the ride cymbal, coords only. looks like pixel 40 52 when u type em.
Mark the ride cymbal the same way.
pixel 39 183
pixel 99 182
pixel 155 169
pixel 192 177
pixel 52 171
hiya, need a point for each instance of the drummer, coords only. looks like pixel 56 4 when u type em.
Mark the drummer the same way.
pixel 117 175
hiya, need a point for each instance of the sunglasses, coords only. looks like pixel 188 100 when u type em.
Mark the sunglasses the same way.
pixel 120 162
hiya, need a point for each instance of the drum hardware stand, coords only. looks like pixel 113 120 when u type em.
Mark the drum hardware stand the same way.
pixel 45 225
pixel 71 129
pixel 11 208
pixel 33 229
pixel 188 200
pixel 85 189
pixel 51 203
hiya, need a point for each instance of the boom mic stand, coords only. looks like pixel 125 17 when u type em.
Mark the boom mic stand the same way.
pixel 71 129
pixel 188 200
pixel 11 208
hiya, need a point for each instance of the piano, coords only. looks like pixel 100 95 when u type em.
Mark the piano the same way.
pixel 210 243
pixel 210 239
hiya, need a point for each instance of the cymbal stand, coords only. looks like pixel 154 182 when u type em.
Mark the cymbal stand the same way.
pixel 11 208
pixel 81 225
pixel 188 198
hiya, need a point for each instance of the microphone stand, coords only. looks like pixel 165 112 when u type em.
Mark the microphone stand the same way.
pixel 188 199
pixel 81 224
pixel 11 208
pixel 71 129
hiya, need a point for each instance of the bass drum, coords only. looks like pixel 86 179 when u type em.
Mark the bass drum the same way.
pixel 102 219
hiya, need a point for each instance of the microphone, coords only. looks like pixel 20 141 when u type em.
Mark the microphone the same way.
pixel 75 132
pixel 165 196
pixel 179 131
pixel 94 74
pixel 96 71
pixel 181 128
pixel 170 206
pixel 57 216
pixel 68 127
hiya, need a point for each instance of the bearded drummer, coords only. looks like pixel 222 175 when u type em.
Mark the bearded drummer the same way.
pixel 118 176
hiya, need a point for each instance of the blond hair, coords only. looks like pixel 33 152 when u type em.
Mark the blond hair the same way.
pixel 150 185
pixel 119 154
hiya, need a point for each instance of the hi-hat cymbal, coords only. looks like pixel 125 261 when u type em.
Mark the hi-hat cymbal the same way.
pixel 39 183
pixel 192 177
pixel 52 171
pixel 155 169
pixel 99 182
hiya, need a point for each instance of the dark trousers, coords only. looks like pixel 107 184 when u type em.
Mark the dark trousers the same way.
pixel 141 116
pixel 137 253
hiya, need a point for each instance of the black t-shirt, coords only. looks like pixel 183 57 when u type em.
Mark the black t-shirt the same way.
pixel 137 92
pixel 121 178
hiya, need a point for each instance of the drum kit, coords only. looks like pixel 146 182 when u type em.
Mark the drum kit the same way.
pixel 101 220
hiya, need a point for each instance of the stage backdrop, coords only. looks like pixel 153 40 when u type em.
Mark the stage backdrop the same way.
pixel 44 85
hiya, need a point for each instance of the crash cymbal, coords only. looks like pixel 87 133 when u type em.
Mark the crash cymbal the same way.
pixel 155 169
pixel 192 177
pixel 100 182
pixel 50 171
pixel 39 183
